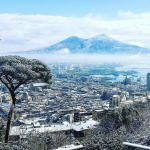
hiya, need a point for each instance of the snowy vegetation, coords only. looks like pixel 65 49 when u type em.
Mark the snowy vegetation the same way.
pixel 131 124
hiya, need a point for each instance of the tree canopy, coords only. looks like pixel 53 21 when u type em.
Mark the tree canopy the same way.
pixel 16 70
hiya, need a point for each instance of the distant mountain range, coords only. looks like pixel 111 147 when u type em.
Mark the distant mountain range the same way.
pixel 102 44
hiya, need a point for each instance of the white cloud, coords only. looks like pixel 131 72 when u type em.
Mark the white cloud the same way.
pixel 137 56
pixel 63 51
pixel 130 15
pixel 26 32
pixel 139 44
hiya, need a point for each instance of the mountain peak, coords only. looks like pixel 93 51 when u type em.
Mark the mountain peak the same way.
pixel 102 37
pixel 72 37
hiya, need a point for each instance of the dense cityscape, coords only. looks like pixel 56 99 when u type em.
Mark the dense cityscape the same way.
pixel 74 102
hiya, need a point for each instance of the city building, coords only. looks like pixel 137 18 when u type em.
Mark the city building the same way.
pixel 148 82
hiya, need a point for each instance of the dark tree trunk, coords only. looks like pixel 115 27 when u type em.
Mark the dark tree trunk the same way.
pixel 10 114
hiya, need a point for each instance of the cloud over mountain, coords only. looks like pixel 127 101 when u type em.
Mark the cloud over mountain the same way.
pixel 26 32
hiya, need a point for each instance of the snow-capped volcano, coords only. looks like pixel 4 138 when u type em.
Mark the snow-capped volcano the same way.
pixel 97 44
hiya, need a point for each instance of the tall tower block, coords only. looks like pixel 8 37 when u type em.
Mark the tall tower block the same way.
pixel 148 82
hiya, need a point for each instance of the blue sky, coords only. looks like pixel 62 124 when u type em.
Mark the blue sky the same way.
pixel 77 8
pixel 33 24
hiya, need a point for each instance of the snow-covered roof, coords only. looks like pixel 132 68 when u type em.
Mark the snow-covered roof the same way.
pixel 136 145
pixel 99 110
pixel 39 84
pixel 78 126
pixel 70 147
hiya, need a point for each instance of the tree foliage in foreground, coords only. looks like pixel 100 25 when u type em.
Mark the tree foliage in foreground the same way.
pixel 2 130
pixel 37 141
pixel 131 124
pixel 15 71
pixel 102 141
